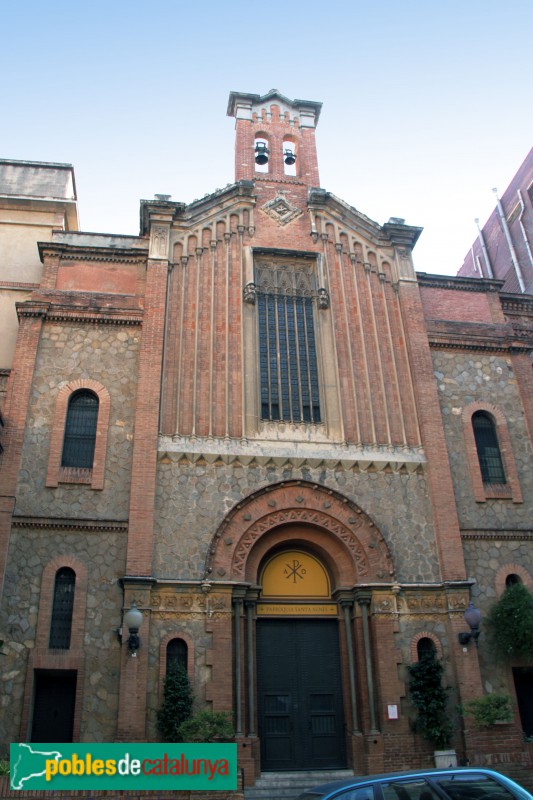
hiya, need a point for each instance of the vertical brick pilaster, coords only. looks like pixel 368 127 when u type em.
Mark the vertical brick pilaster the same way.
pixel 440 486
pixel 15 413
pixel 141 522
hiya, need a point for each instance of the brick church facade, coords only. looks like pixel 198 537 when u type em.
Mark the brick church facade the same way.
pixel 256 423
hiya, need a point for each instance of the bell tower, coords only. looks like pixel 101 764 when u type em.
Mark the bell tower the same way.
pixel 275 138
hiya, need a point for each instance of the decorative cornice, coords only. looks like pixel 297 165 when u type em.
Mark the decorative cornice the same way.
pixel 104 316
pixel 70 252
pixel 459 284
pixel 18 286
pixel 500 535
pixel 290 454
pixel 475 336
pixel 517 304
pixel 51 523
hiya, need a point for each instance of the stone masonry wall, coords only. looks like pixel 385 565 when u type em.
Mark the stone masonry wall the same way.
pixel 103 554
pixel 104 353
pixel 467 377
pixel 193 500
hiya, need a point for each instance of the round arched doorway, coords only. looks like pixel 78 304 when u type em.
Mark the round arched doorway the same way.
pixel 299 680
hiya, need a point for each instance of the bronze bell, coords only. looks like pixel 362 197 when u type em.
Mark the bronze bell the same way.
pixel 261 153
pixel 289 157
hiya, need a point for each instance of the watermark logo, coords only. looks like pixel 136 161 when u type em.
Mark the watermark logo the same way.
pixel 189 767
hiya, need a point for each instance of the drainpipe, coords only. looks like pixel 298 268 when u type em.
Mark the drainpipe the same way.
pixel 507 233
pixel 524 234
pixel 490 273
pixel 474 264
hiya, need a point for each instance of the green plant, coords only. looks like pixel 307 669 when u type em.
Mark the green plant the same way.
pixel 509 624
pixel 430 699
pixel 207 726
pixel 177 703
pixel 4 766
pixel 490 709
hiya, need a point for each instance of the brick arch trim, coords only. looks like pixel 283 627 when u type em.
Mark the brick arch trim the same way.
pixel 47 598
pixel 484 491
pixel 511 569
pixel 336 529
pixel 55 473
pixel 424 635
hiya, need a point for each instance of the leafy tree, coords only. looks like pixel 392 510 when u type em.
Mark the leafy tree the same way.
pixel 430 699
pixel 177 703
pixel 509 624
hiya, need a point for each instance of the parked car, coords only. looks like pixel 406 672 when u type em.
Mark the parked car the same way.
pixel 461 783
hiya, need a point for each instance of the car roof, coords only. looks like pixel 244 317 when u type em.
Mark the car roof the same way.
pixel 412 773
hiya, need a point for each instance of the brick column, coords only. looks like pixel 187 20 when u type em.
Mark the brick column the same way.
pixel 143 481
pixel 440 486
pixel 131 724
pixel 134 671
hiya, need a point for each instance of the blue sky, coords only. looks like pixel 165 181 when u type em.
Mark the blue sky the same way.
pixel 426 105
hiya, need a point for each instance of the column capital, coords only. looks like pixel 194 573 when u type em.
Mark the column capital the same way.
pixel 344 597
pixel 363 596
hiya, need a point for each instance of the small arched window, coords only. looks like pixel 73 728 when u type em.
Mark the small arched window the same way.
pixel 62 608
pixel 488 448
pixel 80 430
pixel 177 653
pixel 512 580
pixel 425 647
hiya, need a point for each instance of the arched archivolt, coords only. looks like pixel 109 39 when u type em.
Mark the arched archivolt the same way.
pixel 300 513
pixel 511 569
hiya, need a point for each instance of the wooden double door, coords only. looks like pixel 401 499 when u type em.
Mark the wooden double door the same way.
pixel 301 720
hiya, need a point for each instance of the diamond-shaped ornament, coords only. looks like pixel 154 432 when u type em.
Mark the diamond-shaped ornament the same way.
pixel 281 210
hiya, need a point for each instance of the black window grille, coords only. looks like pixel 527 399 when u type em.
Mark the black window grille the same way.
pixel 425 647
pixel 488 449
pixel 80 430
pixel 62 608
pixel 288 359
pixel 177 653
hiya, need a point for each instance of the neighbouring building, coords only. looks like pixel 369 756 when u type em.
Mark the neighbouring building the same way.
pixel 300 459
pixel 504 246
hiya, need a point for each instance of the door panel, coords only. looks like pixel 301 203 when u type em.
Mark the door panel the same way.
pixel 53 706
pixel 299 692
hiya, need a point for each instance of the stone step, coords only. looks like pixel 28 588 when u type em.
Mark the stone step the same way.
pixel 288 785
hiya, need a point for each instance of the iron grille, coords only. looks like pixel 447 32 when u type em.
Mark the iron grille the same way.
pixel 488 449
pixel 80 430
pixel 176 654
pixel 62 608
pixel 288 359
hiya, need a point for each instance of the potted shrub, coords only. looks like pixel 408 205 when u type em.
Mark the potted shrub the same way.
pixel 430 698
pixel 207 726
pixel 489 710
pixel 177 703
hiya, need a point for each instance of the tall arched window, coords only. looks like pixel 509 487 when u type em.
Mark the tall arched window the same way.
pixel 488 448
pixel 80 430
pixel 177 653
pixel 62 608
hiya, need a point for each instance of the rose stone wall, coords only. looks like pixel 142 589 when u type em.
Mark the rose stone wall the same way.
pixel 104 353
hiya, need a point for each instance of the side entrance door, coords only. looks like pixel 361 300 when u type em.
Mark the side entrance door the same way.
pixel 301 721
pixel 53 705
